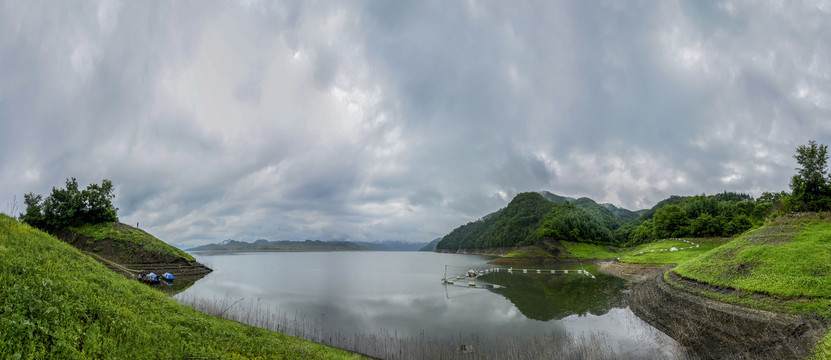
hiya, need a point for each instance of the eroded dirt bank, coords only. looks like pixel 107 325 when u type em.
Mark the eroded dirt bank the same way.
pixel 130 259
pixel 715 330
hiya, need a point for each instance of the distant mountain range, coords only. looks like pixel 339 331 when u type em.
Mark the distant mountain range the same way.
pixel 308 245
pixel 431 246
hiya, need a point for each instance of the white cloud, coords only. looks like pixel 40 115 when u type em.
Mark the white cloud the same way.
pixel 402 120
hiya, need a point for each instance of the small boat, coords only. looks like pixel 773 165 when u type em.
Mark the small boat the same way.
pixel 150 278
pixel 167 276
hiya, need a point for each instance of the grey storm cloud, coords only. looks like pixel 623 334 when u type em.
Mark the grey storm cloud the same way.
pixel 375 120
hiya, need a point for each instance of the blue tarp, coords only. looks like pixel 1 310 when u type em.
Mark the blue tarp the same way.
pixel 167 276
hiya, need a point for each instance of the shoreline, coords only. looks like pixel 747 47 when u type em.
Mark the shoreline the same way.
pixel 716 329
pixel 707 327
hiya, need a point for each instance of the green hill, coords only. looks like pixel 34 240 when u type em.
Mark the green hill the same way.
pixel 784 265
pixel 533 217
pixel 789 257
pixel 122 243
pixel 516 224
pixel 57 303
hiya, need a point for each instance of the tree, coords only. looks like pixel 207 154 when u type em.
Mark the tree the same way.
pixel 705 226
pixel 670 221
pixel 71 206
pixel 809 187
pixel 643 233
pixel 34 214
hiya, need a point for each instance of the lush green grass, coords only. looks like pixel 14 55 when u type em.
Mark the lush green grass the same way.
pixel 574 250
pixel 588 251
pixel 666 245
pixel 790 260
pixel 671 257
pixel 528 253
pixel 823 348
pixel 123 234
pixel 57 303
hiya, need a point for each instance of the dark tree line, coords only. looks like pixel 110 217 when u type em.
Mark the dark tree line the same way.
pixel 70 206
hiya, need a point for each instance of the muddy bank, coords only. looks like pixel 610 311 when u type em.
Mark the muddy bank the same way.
pixel 631 272
pixel 714 330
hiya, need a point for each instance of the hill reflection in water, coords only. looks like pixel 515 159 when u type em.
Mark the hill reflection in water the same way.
pixel 547 297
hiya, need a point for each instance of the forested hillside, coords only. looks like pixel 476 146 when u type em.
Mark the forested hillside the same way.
pixel 532 217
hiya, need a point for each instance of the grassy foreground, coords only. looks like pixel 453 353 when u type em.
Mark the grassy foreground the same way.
pixel 56 302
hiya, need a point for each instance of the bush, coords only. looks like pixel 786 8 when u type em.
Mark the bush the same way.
pixel 70 207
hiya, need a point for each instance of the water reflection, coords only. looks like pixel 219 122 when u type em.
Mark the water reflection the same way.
pixel 366 292
pixel 181 283
pixel 547 297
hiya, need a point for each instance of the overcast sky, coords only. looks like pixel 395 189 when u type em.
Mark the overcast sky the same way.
pixel 394 120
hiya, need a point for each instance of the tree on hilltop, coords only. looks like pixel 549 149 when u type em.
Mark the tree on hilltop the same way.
pixel 810 186
pixel 70 206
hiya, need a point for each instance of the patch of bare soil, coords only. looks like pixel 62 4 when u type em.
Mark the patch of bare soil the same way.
pixel 631 272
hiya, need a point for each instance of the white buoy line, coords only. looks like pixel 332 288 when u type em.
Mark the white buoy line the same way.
pixel 469 277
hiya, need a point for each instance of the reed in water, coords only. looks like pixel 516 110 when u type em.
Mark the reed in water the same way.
pixel 392 344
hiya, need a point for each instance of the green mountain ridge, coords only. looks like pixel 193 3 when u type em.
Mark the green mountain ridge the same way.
pixel 532 217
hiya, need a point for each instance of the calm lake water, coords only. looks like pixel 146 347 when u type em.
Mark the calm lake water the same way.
pixel 401 292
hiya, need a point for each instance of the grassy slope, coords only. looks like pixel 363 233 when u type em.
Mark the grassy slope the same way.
pixel 588 251
pixel 670 257
pixel 569 250
pixel 130 239
pixel 56 302
pixel 789 258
